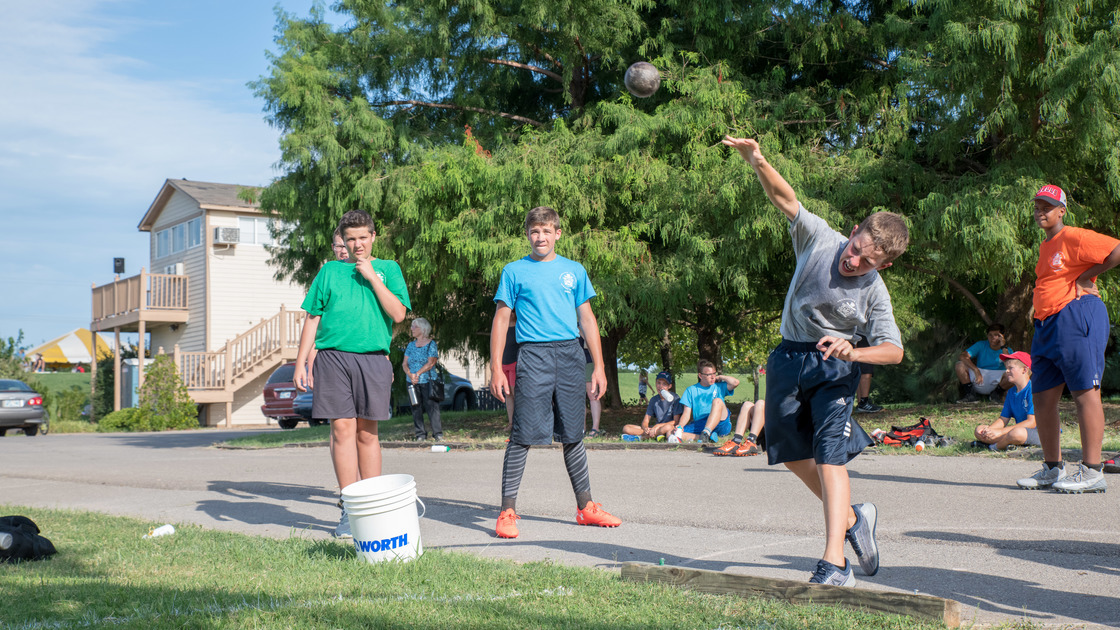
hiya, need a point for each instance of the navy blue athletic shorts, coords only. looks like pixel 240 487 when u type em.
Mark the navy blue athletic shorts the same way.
pixel 808 407
pixel 550 393
pixel 1068 346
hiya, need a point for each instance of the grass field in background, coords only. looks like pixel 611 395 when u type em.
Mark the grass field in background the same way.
pixel 106 575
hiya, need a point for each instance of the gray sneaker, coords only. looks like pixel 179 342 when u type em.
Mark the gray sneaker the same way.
pixel 1042 479
pixel 343 529
pixel 1084 479
pixel 828 573
pixel 862 537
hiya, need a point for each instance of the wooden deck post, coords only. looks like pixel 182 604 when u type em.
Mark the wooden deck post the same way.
pixel 117 369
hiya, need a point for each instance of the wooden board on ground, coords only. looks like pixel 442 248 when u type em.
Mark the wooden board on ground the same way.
pixel 946 610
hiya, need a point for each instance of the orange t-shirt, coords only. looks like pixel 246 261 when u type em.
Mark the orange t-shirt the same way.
pixel 1060 261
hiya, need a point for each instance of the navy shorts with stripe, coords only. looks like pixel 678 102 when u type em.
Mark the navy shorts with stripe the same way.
pixel 808 407
pixel 550 393
pixel 1068 346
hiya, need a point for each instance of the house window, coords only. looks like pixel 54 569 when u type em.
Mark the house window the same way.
pixel 163 243
pixel 179 237
pixel 194 232
pixel 254 230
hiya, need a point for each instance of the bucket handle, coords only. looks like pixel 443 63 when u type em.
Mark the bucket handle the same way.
pixel 425 510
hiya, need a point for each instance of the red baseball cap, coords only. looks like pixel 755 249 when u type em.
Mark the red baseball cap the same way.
pixel 1052 195
pixel 1020 355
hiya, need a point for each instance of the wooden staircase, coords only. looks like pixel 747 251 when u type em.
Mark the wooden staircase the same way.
pixel 214 377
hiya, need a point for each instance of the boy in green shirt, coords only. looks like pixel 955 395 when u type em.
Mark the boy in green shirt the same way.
pixel 351 308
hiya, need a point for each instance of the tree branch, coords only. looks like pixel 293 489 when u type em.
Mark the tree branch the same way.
pixel 956 285
pixel 521 119
pixel 524 66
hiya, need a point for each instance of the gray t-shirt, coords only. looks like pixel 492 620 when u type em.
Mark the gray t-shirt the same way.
pixel 822 302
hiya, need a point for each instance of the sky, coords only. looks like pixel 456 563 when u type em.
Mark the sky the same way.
pixel 100 102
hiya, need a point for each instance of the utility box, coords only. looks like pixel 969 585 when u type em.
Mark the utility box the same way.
pixel 130 381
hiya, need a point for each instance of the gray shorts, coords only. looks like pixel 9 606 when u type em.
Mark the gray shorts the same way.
pixel 352 385
pixel 550 393
pixel 1032 437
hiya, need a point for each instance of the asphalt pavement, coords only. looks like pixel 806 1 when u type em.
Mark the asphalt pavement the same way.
pixel 953 527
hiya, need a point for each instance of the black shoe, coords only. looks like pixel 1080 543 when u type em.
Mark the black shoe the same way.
pixel 421 438
pixel 866 406
pixel 970 397
pixel 996 396
pixel 978 444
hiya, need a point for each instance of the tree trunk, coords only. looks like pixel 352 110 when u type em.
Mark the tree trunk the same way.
pixel 707 343
pixel 1013 310
pixel 666 351
pixel 610 341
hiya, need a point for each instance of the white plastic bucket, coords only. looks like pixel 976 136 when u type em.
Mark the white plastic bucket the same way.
pixel 383 518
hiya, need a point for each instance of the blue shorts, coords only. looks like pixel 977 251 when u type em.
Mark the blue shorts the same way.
pixel 1069 345
pixel 808 407
pixel 697 426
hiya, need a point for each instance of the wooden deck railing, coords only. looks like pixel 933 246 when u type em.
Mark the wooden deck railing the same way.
pixel 146 291
pixel 260 345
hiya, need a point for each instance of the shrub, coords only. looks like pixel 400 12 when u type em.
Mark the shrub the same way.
pixel 164 403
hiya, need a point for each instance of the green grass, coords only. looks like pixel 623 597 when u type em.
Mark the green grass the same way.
pixel 106 575
pixel 58 382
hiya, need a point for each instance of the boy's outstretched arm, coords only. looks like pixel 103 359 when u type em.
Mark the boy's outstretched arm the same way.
pixel 499 385
pixel 777 189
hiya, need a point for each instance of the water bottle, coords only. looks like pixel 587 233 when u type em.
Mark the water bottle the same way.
pixel 163 530
pixel 667 395
pixel 440 448
pixel 413 395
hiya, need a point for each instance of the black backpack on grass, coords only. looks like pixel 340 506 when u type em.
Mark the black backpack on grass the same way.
pixel 20 540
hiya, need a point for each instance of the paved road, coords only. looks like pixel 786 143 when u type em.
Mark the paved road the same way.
pixel 950 527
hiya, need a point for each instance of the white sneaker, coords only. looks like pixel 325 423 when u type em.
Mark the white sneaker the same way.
pixel 1042 479
pixel 1084 479
pixel 676 436
pixel 343 529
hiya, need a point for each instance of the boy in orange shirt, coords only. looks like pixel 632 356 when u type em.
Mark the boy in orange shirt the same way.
pixel 1070 333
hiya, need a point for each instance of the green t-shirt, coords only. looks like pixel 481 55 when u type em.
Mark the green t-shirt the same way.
pixel 352 318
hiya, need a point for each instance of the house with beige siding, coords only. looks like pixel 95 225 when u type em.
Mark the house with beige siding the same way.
pixel 210 299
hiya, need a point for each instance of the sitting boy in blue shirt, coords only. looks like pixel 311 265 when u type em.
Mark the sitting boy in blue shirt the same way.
pixel 1016 423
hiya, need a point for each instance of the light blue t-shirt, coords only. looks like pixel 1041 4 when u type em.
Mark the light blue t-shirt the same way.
pixel 699 399
pixel 546 297
pixel 986 358
pixel 1018 404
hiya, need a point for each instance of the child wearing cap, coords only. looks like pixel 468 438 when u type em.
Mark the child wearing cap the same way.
pixel 1070 333
pixel 1016 423
pixel 663 410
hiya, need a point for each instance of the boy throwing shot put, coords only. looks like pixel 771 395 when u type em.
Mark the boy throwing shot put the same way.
pixel 351 308
pixel 836 293
pixel 1070 334
pixel 551 296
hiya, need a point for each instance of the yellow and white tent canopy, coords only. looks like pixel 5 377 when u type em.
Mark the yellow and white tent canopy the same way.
pixel 73 347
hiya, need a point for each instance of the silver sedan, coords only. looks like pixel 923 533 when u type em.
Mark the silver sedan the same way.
pixel 21 408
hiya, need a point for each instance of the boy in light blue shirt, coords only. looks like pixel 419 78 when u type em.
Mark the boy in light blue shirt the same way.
pixel 551 295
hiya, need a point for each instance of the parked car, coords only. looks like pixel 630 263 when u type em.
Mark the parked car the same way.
pixel 21 407
pixel 279 394
pixel 302 406
pixel 458 394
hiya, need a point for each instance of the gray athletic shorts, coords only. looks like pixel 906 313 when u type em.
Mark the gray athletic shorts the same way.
pixel 550 393
pixel 352 385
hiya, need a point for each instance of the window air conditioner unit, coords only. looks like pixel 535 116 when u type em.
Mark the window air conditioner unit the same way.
pixel 176 269
pixel 227 235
